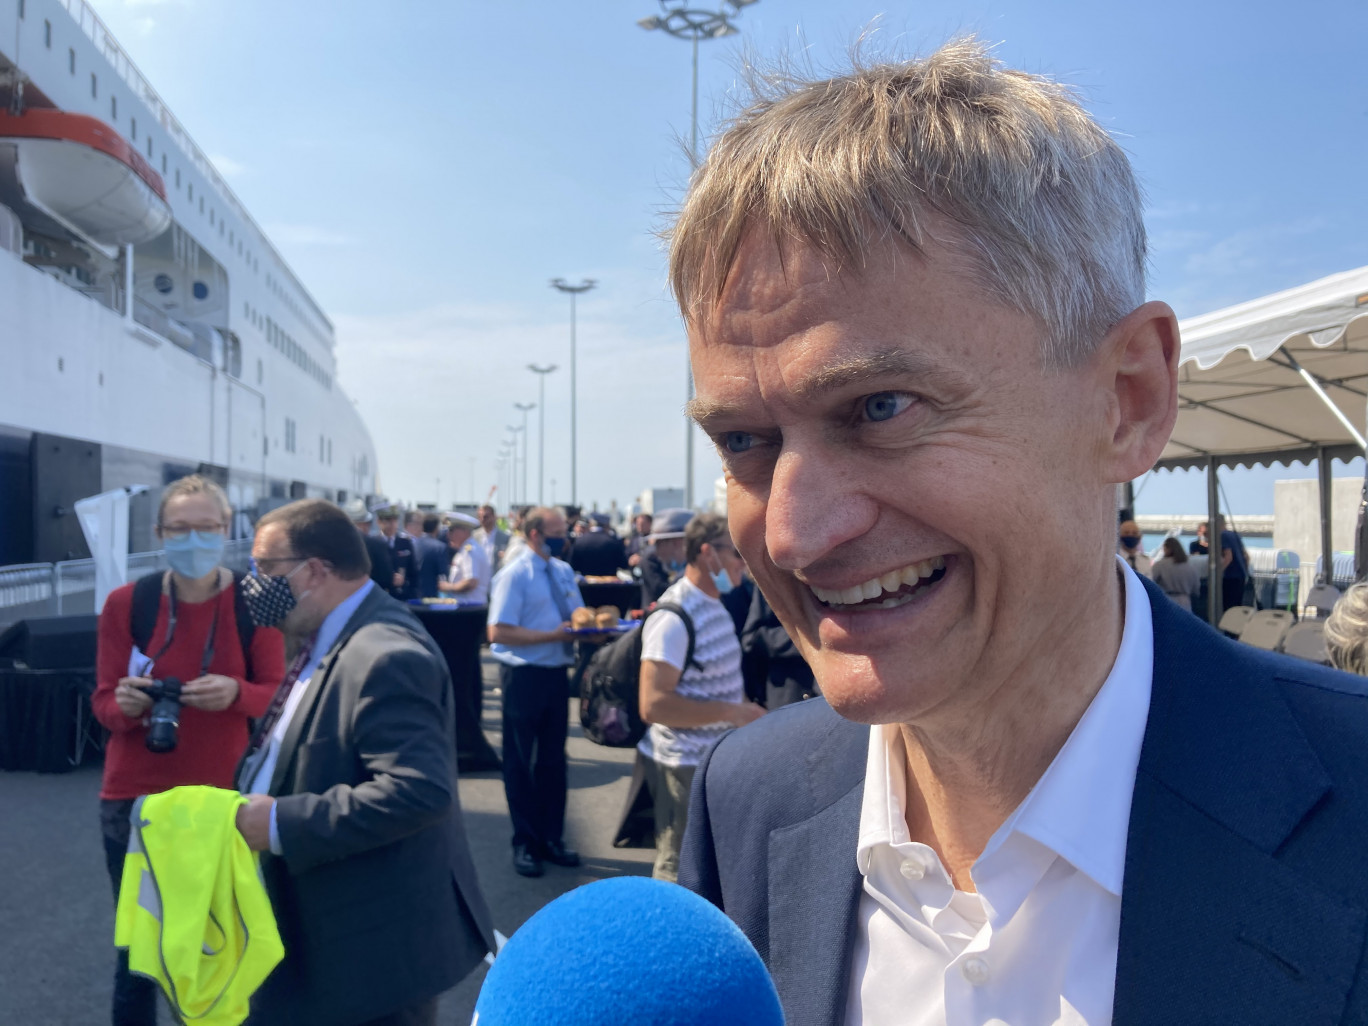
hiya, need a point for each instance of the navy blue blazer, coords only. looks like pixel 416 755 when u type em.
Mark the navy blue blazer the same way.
pixel 1246 878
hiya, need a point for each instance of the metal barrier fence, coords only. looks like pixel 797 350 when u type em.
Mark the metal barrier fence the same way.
pixel 68 587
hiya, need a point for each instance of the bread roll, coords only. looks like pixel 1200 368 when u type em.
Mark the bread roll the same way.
pixel 608 619
pixel 582 618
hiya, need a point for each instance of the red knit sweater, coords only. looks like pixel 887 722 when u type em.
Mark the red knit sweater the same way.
pixel 210 742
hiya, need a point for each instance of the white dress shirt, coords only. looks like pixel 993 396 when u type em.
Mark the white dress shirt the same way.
pixel 328 633
pixel 1036 944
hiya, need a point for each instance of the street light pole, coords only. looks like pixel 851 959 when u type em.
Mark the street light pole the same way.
pixel 682 22
pixel 574 290
pixel 513 486
pixel 524 407
pixel 541 373
pixel 474 499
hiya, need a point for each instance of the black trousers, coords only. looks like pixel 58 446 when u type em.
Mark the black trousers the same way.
pixel 135 997
pixel 535 723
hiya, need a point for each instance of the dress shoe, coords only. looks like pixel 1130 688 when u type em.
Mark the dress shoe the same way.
pixel 558 854
pixel 524 862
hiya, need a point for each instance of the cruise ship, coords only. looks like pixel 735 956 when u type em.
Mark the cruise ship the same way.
pixel 148 328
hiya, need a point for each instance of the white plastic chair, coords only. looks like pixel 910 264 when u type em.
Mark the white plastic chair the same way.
pixel 1233 620
pixel 1266 628
pixel 1320 600
pixel 1306 640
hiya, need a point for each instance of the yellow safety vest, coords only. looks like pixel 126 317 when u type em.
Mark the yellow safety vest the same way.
pixel 193 912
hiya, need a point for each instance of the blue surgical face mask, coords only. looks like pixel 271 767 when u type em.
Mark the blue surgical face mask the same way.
pixel 194 554
pixel 723 581
pixel 555 546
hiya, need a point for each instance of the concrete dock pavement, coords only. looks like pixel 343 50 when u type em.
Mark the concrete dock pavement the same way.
pixel 57 917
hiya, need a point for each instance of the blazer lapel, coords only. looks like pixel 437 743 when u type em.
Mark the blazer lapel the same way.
pixel 1213 927
pixel 303 712
pixel 814 884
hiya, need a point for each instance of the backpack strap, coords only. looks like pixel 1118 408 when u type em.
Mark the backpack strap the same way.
pixel 146 604
pixel 246 626
pixel 678 611
pixel 142 611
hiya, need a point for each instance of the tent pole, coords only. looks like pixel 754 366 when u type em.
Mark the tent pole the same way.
pixel 1214 568
pixel 1323 470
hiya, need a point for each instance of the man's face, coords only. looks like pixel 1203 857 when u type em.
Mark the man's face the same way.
pixel 552 527
pixel 643 524
pixel 414 526
pixel 487 519
pixel 275 558
pixel 388 527
pixel 457 535
pixel 894 435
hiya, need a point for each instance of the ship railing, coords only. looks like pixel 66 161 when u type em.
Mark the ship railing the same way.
pixel 67 588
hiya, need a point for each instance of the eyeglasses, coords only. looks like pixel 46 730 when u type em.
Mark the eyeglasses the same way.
pixel 258 566
pixel 179 530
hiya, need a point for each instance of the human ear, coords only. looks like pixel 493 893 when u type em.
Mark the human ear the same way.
pixel 1138 361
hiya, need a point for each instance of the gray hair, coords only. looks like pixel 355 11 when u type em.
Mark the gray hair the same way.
pixel 1346 631
pixel 1030 188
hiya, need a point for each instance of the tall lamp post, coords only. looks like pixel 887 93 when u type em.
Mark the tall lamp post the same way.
pixel 684 22
pixel 513 485
pixel 541 373
pixel 574 290
pixel 524 407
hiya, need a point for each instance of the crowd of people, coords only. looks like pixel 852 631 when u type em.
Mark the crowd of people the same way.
pixel 1178 577
pixel 1032 790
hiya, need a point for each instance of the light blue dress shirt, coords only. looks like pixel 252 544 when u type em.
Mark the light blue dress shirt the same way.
pixel 520 596
pixel 326 637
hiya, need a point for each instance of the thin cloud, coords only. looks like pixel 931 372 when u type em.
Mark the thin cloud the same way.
pixel 227 166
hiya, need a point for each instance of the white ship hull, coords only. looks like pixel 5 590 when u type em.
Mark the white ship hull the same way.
pixel 197 351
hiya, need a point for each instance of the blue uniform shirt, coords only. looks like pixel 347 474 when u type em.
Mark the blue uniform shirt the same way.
pixel 520 596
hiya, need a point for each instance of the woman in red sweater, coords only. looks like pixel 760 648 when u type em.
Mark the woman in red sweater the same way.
pixel 196 640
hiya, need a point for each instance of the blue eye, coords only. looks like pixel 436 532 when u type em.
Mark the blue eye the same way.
pixel 737 441
pixel 886 405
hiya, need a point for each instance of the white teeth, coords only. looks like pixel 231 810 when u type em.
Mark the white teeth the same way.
pixel 890 582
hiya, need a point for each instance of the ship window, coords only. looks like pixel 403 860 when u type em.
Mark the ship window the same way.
pixel 177 178
pixel 163 163
pixel 71 60
pixel 94 86
pixel 246 310
pixel 133 128
pixel 230 238
pixel 211 217
pixel 47 34
pixel 149 146
pixel 260 372
pixel 21 8
pixel 189 190
pixel 114 108
pixel 201 204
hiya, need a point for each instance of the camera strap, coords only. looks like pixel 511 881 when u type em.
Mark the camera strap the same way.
pixel 208 656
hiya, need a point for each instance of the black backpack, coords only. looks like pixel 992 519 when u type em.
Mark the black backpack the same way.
pixel 610 695
pixel 146 604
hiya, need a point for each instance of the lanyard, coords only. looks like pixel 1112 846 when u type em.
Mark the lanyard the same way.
pixel 208 656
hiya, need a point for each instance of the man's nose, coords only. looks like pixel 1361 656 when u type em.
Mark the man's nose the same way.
pixel 817 502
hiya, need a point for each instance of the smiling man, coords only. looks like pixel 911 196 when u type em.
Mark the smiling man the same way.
pixel 915 303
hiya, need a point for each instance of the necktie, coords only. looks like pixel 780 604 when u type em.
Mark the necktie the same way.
pixel 272 715
pixel 562 606
pixel 1132 562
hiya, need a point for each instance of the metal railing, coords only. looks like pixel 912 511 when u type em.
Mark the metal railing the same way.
pixel 68 587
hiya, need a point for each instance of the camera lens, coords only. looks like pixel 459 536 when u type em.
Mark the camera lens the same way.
pixel 163 723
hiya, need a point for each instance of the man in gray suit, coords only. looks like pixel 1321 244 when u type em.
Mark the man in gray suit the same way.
pixel 493 537
pixel 352 783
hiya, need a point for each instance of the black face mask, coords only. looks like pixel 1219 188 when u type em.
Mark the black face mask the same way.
pixel 268 597
pixel 1130 541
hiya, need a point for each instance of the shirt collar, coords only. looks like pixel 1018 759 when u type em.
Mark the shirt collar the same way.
pixel 333 623
pixel 1080 807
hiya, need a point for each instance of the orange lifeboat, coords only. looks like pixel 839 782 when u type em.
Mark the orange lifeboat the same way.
pixel 80 173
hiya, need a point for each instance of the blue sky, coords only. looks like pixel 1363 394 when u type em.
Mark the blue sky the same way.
pixel 428 167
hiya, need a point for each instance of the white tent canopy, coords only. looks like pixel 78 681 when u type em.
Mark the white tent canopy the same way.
pixel 1243 398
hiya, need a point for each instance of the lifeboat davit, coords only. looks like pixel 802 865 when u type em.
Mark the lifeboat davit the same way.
pixel 82 174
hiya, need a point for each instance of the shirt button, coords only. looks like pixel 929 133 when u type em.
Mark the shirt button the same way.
pixel 975 970
pixel 912 869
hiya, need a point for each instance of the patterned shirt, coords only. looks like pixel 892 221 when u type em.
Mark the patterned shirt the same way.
pixel 716 649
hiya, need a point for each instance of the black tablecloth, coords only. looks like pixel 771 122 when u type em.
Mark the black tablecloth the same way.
pixel 458 632
pixel 623 594
pixel 44 717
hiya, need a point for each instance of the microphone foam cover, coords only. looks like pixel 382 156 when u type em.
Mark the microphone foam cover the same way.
pixel 625 951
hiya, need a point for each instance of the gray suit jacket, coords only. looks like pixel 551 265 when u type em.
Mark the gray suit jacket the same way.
pixel 376 894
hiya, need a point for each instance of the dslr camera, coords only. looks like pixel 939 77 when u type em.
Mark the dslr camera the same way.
pixel 163 722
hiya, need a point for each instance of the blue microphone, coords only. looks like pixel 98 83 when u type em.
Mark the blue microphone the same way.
pixel 628 951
